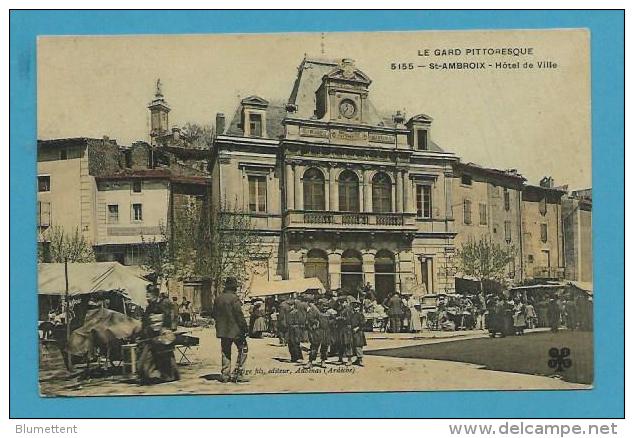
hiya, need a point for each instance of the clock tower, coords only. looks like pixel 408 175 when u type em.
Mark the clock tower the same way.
pixel 342 96
pixel 159 110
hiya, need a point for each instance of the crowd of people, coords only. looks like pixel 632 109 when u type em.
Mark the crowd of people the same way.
pixel 512 315
pixel 334 325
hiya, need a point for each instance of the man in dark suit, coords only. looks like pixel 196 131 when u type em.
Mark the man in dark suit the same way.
pixel 231 328
pixel 395 312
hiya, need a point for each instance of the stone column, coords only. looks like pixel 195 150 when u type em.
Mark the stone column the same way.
pixel 367 186
pixel 399 191
pixel 289 187
pixel 327 191
pixel 334 270
pixel 299 188
pixel 295 264
pixel 407 192
pixel 368 268
pixel 245 191
pixel 448 196
pixel 332 189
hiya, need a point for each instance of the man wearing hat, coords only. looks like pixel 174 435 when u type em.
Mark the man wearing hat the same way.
pixel 357 322
pixel 296 322
pixel 343 323
pixel 318 331
pixel 231 328
pixel 157 353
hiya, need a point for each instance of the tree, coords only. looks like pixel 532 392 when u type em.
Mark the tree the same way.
pixel 207 244
pixel 484 260
pixel 63 246
pixel 157 256
pixel 197 136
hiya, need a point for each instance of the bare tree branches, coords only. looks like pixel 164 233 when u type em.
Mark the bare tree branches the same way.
pixel 63 246
pixel 484 259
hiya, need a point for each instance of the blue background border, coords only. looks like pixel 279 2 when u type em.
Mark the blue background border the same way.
pixel 606 400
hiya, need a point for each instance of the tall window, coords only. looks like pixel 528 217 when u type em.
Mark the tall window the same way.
pixel 426 268
pixel 421 140
pixel 483 214
pixel 348 191
pixel 467 211
pixel 113 214
pixel 507 200
pixel 385 274
pixel 44 214
pixel 136 186
pixel 255 125
pixel 137 212
pixel 381 193
pixel 507 231
pixel 314 198
pixel 44 183
pixel 544 232
pixel 543 206
pixel 423 201
pixel 257 194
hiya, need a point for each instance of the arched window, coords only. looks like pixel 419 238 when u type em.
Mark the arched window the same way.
pixel 351 271
pixel 314 190
pixel 385 274
pixel 381 193
pixel 316 265
pixel 348 191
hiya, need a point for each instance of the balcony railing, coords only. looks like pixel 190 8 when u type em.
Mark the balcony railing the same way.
pixel 336 219
pixel 548 272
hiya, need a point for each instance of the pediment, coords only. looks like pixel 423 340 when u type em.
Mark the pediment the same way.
pixel 421 118
pixel 254 101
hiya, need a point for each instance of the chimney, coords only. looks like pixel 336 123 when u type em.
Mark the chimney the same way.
pixel 220 123
pixel 547 182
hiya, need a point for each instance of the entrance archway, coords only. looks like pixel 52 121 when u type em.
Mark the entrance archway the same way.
pixel 316 265
pixel 351 271
pixel 385 274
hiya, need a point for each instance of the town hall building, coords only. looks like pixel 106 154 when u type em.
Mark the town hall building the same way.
pixel 340 191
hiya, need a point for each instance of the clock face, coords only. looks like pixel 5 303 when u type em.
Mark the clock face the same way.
pixel 347 108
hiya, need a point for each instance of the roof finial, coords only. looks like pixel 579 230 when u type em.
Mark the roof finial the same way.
pixel 159 88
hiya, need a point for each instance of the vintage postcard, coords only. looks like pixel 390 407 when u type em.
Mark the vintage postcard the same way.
pixel 319 212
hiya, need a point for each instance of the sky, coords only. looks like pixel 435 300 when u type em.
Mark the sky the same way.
pixel 534 120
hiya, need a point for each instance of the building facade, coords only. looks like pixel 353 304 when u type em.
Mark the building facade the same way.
pixel 488 204
pixel 577 221
pixel 542 231
pixel 342 193
pixel 336 190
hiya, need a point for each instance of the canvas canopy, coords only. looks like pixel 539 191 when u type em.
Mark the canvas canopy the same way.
pixel 102 326
pixel 281 287
pixel 88 278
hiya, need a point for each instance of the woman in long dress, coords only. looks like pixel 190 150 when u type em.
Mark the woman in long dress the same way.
pixel 259 323
pixel 519 318
pixel 415 325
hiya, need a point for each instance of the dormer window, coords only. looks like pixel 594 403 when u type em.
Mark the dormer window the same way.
pixel 254 116
pixel 466 180
pixel 421 140
pixel 255 125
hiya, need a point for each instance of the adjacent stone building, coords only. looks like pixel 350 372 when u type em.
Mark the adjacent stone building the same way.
pixel 488 204
pixel 577 221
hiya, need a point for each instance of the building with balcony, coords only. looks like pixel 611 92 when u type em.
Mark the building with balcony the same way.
pixel 488 204
pixel 341 191
pixel 542 231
